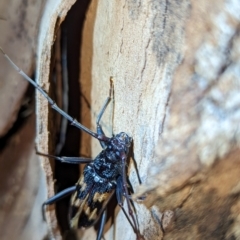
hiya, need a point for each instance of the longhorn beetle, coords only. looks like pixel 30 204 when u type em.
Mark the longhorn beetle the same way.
pixel 102 177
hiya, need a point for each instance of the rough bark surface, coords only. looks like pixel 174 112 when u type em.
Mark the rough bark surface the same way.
pixel 196 173
pixel 176 92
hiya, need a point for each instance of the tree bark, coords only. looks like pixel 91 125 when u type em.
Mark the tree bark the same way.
pixel 175 67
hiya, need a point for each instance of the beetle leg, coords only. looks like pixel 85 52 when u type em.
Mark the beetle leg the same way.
pixel 57 197
pixel 102 224
pixel 100 131
pixel 71 160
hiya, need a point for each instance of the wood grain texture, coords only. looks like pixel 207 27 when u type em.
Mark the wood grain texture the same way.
pixel 53 15
pixel 141 44
pixel 201 129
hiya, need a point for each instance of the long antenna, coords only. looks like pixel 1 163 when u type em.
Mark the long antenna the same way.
pixel 72 121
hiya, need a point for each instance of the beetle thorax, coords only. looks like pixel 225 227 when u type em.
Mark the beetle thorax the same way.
pixel 120 143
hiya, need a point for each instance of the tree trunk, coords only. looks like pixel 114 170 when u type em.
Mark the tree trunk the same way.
pixel 175 67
